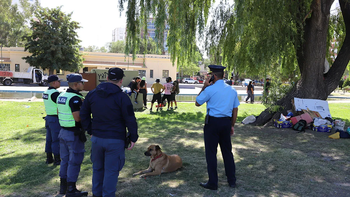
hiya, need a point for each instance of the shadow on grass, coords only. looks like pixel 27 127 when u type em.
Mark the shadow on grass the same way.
pixel 269 162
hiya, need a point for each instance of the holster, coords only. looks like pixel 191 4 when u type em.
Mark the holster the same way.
pixel 81 134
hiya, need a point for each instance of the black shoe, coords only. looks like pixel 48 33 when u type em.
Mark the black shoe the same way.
pixel 57 160
pixel 49 158
pixel 63 186
pixel 72 191
pixel 232 185
pixel 208 186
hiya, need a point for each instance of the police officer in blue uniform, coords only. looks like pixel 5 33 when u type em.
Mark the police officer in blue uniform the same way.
pixel 112 112
pixel 51 121
pixel 72 137
pixel 222 107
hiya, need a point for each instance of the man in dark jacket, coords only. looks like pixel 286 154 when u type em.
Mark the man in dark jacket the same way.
pixel 112 112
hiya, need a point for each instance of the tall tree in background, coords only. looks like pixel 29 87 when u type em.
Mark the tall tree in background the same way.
pixel 53 42
pixel 95 49
pixel 116 47
pixel 255 34
pixel 13 21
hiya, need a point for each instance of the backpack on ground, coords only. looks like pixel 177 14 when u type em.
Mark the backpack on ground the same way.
pixel 300 126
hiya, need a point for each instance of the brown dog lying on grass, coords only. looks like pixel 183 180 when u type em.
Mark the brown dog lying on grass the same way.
pixel 160 162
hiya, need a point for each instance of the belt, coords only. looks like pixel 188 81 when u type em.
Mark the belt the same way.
pixel 227 117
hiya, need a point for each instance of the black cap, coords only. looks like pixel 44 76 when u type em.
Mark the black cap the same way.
pixel 115 74
pixel 157 80
pixel 216 68
pixel 53 78
pixel 75 78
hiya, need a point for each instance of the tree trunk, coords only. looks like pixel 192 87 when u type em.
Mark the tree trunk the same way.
pixel 314 84
pixel 51 71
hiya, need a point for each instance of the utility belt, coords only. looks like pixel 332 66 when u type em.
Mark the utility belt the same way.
pixel 207 117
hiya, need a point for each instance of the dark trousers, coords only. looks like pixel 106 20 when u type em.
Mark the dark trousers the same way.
pixel 72 155
pixel 217 131
pixel 52 130
pixel 251 96
pixel 108 158
pixel 143 91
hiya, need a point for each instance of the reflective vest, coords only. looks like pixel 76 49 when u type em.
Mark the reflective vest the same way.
pixel 65 115
pixel 50 106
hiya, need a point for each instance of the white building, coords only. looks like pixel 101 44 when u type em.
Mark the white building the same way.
pixel 118 34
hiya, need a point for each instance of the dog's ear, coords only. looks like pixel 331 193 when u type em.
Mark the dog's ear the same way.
pixel 158 147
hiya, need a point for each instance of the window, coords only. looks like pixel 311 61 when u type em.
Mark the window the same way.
pixel 16 67
pixel 142 73
pixel 5 67
pixel 151 74
pixel 85 69
pixel 165 73
pixel 59 72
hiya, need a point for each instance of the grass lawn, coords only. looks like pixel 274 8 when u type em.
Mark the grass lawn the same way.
pixel 269 161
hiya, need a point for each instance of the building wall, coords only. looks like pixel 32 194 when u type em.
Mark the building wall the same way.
pixel 95 60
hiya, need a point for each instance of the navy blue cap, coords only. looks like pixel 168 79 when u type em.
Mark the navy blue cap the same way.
pixel 75 78
pixel 216 68
pixel 115 74
pixel 53 78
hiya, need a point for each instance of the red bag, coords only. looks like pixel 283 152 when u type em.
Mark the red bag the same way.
pixel 305 117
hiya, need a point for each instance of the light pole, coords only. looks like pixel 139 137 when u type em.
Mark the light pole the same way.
pixel 1 58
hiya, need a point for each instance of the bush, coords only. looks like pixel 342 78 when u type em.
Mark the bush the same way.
pixel 346 82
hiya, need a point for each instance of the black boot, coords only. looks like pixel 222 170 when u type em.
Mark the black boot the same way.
pixel 49 158
pixel 63 186
pixel 73 192
pixel 57 160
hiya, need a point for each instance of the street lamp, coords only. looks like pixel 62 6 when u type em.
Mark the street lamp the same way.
pixel 1 60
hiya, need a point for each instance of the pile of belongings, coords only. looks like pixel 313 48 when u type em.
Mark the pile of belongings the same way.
pixel 313 114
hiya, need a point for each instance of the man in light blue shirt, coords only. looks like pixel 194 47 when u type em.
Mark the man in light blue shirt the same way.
pixel 222 107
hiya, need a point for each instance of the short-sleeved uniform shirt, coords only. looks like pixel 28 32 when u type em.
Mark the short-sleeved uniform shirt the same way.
pixel 221 99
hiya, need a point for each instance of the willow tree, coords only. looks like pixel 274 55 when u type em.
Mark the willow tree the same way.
pixel 252 35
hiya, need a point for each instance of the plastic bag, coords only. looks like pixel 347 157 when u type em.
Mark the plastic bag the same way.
pixel 249 119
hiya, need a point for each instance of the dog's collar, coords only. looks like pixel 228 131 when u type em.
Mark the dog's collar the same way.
pixel 157 157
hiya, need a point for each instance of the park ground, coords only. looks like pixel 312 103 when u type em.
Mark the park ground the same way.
pixel 269 161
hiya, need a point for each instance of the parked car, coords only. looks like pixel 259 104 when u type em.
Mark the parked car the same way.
pixel 246 82
pixel 189 80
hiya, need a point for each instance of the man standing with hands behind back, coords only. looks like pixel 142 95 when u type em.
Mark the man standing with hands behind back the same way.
pixel 112 112
pixel 51 121
pixel 72 137
pixel 222 107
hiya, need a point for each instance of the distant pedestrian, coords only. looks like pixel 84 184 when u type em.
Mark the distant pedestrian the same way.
pixel 174 92
pixel 250 92
pixel 230 82
pixel 51 121
pixel 168 86
pixel 72 136
pixel 157 89
pixel 267 86
pixel 143 90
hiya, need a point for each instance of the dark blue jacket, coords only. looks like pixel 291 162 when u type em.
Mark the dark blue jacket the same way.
pixel 112 112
